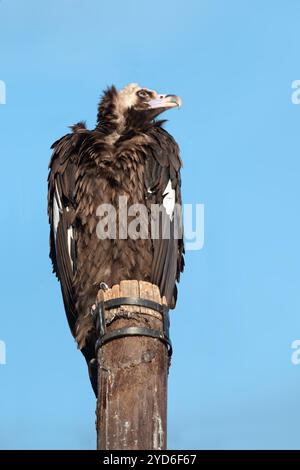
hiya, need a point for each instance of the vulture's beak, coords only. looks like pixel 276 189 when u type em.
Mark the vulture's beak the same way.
pixel 165 101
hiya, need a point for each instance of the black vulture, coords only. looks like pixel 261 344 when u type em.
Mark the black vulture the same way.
pixel 128 154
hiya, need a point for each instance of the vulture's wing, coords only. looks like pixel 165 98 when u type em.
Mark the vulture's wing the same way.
pixel 61 211
pixel 162 182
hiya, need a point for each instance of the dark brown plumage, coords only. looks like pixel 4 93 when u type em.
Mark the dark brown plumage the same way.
pixel 127 154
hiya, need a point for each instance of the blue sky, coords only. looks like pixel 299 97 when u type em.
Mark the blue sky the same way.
pixel 232 384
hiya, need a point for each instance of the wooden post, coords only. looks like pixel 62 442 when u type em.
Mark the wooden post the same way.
pixel 132 376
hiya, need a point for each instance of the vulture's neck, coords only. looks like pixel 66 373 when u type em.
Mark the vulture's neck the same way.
pixel 113 121
pixel 127 125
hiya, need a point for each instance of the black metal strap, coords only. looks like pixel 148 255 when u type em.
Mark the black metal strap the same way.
pixel 133 331
pixel 112 303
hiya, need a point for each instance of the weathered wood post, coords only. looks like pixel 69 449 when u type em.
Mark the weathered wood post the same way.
pixel 132 371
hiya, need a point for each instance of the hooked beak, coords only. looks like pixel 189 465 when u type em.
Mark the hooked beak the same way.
pixel 165 101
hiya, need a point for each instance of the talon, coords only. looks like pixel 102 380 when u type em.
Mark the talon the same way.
pixel 103 286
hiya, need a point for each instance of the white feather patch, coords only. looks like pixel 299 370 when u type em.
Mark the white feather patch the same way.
pixel 56 212
pixel 70 237
pixel 55 216
pixel 169 199
pixel 58 201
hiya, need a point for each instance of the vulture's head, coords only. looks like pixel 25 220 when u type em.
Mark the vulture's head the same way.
pixel 133 106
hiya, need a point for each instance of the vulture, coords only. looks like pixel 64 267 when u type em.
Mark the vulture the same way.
pixel 128 153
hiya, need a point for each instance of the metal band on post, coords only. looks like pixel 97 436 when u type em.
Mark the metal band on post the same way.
pixel 134 331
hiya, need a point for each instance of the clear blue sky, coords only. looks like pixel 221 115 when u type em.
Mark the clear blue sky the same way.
pixel 232 384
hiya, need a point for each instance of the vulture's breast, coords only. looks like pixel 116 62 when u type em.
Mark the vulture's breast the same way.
pixel 112 177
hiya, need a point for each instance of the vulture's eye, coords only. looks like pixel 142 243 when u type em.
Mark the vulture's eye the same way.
pixel 143 93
